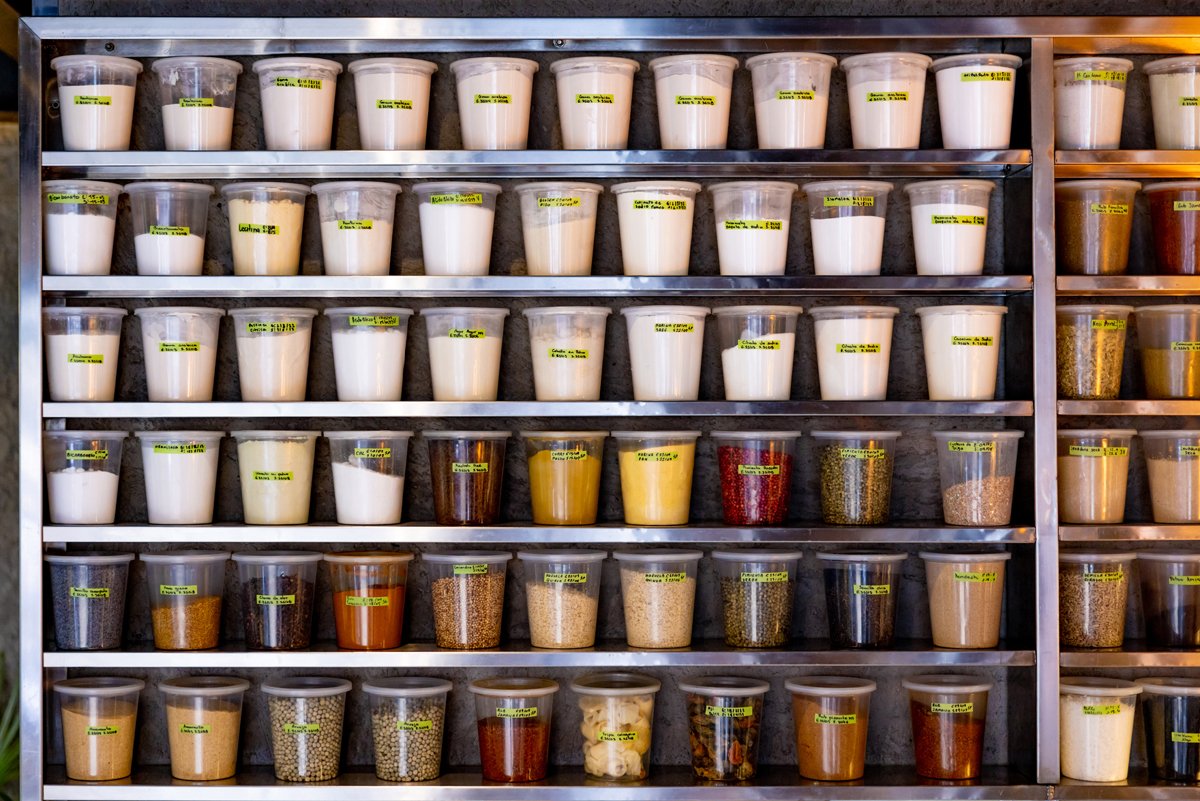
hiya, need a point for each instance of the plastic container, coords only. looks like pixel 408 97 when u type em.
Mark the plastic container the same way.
pixel 368 597
pixel 456 226
pixel 392 99
pixel 558 223
pixel 666 344
pixel 306 714
pixel 847 220
pixel 1092 592
pixel 757 596
pixel 567 348
pixel 655 222
pixel 1175 220
pixel 1091 350
pixel 791 99
pixel 468 597
pixel 99 721
pixel 966 596
pixel 1096 722
pixel 83 469
pixel 861 593
pixel 513 719
pixel 82 345
pixel 356 226
pixel 266 220
pixel 1169 339
pixel 1170 713
pixel 595 95
pixel 656 476
pixel 273 346
pixel 1174 86
pixel 1093 465
pixel 185 590
pixel 494 96
pixel 1173 465
pixel 756 470
pixel 95 99
pixel 197 96
pixel 464 351
pixel 87 590
pixel 275 468
pixel 1093 222
pixel 725 715
pixel 753 219
pixel 1089 102
pixel 204 718
pixel 856 476
pixel 949 223
pixel 369 344
pixel 962 350
pixel 80 219
pixel 179 348
pixel 180 470
pixel 887 96
pixel 618 715
pixel 758 346
pixel 408 717
pixel 368 475
pixel 978 470
pixel 854 348
pixel 562 597
pixel 949 714
pixel 467 471
pixel 831 715
pixel 1170 598
pixel 658 591
pixel 297 101
pixel 170 222
pixel 278 588
pixel 564 475
pixel 693 93
pixel 975 99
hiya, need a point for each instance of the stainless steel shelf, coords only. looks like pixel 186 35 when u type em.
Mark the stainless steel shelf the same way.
pixel 1130 408
pixel 1144 532
pixel 1133 655
pixel 1139 787
pixel 1128 285
pixel 1126 163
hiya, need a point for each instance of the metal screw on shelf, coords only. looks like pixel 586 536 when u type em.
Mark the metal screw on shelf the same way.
pixel 558 43
pixel 109 47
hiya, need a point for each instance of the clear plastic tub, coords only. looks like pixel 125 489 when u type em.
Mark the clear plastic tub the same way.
pixel 204 719
pixel 1092 592
pixel 468 597
pixel 306 714
pixel 693 93
pixel 464 351
pixel 185 590
pixel 1096 719
pixel 655 222
pixel 861 593
pixel 273 346
pixel 725 715
pixel 170 222
pixel 962 350
pixel 1170 708
pixel 95 99
pixel 562 596
pixel 1093 468
pixel 978 470
pixel 1089 102
pixel 558 224
pixel 368 597
pixel 87 590
pixel 656 476
pixel 369 344
pixel 753 219
pixel 595 95
pixel 847 220
pixel 82 345
pixel 975 99
pixel 80 219
pixel 1171 598
pixel 297 101
pixel 179 348
pixel 197 96
pixel 83 469
pixel 658 591
pixel 756 470
pixel 513 718
pixel 831 715
pixel 392 100
pixel 1174 86
pixel 856 476
pixel 275 468
pixel 758 347
pixel 618 715
pixel 278 588
pixel 356 226
pixel 567 347
pixel 467 471
pixel 408 717
pixel 854 349
pixel 1091 350
pixel 99 721
pixel 494 97
pixel 1173 464
pixel 180 470
pixel 949 222
pixel 456 226
pixel 966 597
pixel 1093 222
pixel 887 96
pixel 666 345
pixel 758 590
pixel 368 475
pixel 1169 339
pixel 564 475
pixel 1175 220
pixel 949 714
pixel 791 98
pixel 266 220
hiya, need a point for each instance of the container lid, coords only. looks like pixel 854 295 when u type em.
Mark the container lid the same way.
pixel 558 186
pixel 273 310
pixel 615 684
pixel 1085 557
pixel 95 187
pixel 563 555
pixel 179 436
pixel 112 61
pixel 88 558
pixel 1166 185
pixel 982 59
pixel 692 311
pixel 1171 308
pixel 433 187
pixel 384 310
pixel 830 686
pixel 75 311
pixel 448 310
pixel 854 311
pixel 599 61
pixel 184 557
pixel 861 556
pixel 391 65
pixel 274 435
pixel 103 686
pixel 468 557
pixel 1103 183
pixel 407 686
pixel 1170 685
pixel 306 687
pixel 758 556
pixel 153 311
pixel 768 58
pixel 725 685
pixel 655 435
pixel 976 436
pixel 1172 64
pixel 563 434
pixel 747 435
pixel 330 187
pixel 368 434
pixel 844 185
pixel 739 186
pixel 578 310
pixel 652 555
pixel 508 61
pixel 1168 556
pixel 976 556
pixel 277 557
pixel 655 186
pixel 916 59
pixel 1079 61
pixel 296 62
pixel 1069 433
pixel 856 434
pixel 185 61
pixel 85 434
pixel 147 187
pixel 1094 309
pixel 724 310
pixel 513 687
pixel 687 58
pixel 369 557
pixel 466 434
pixel 946 683
pixel 950 183
pixel 204 686
pixel 936 310
pixel 252 186
pixel 1097 685
pixel 1171 434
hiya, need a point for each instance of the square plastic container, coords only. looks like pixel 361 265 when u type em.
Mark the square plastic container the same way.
pixel 975 99
pixel 82 345
pixel 392 99
pixel 356 226
pixel 1089 102
pixel 949 225
pixel 87 591
pixel 79 221
pixel 692 92
pixel 179 347
pixel 170 223
pixel 966 597
pixel 464 351
pixel 369 344
pixel 1093 469
pixel 513 720
pixel 1091 350
pixel 856 476
pixel 756 475
pixel 368 597
pixel 753 219
pixel 558 225
pixel 278 588
pixel 658 590
pixel 978 470
pixel 204 720
pixel 494 97
pixel 1171 598
pixel 618 715
pixel 275 468
pixel 180 471
pixel 1096 719
pixel 595 95
pixel 468 597
pixel 562 594
pixel 962 350
pixel 1175 221
pixel 861 593
pixel 567 348
pixel 564 475
pixel 1169 339
pixel 368 475
pixel 83 471
pixel 887 97
pixel 99 721
pixel 654 219
pixel 95 99
pixel 1173 464
pixel 408 717
pixel 273 346
pixel 949 714
pixel 266 222
pixel 758 591
pixel 1093 223
pixel 854 349
pixel 758 348
pixel 457 219
pixel 847 221
pixel 725 716
pixel 1170 708
pixel 185 590
pixel 467 471
pixel 306 714
pixel 791 98
pixel 666 347
pixel 656 476
pixel 197 96
pixel 1092 592
pixel 297 101
pixel 831 715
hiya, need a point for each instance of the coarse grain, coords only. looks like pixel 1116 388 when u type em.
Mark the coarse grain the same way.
pixel 89 605
pixel 307 736
pixel 99 748
pixel 408 739
pixel 1090 243
pixel 658 614
pixel 559 616
pixel 983 501
pixel 758 614
pixel 1089 360
pixel 203 738
pixel 854 491
pixel 467 610
pixel 277 626
pixel 187 624
pixel 1092 605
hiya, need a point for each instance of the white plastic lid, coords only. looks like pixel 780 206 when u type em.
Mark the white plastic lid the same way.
pixel 655 435
pixel 204 686
pixel 1097 61
pixel 89 558
pixel 612 685
pixel 468 557
pixel 466 434
pixel 787 310
pixel 513 687
pixel 368 557
pixel 655 186
pixel 1097 686
pixel 751 435
pixel 861 556
pixel 689 311
pixel 946 683
pixel 843 185
pixel 368 434
pixel 395 311
pixel 180 436
pixel 367 65
pixel 1170 685
pixel 768 58
pixel 277 557
pixel 583 62
pixel 558 186
pixel 306 687
pixel 856 434
pixel 1094 309
pixel 563 555
pixel 758 556
pixel 407 687
pixel 198 61
pixel 264 186
pixel 1004 60
pixel 331 187
pixel 155 311
pixel 864 59
pixel 108 61
pixel 1168 556
pixel 933 311
pixel 1094 433
pixel 273 311
pixel 110 435
pixel 585 311
pixel 1172 64
pixel 99 686
pixel 753 186
pixel 725 685
pixel 148 187
pixel 445 311
pixel 505 62
pixel 830 686
pixel 184 557
pixel 296 63
pixel 978 556
pixel 273 435
pixel 563 434
pixel 950 183
pixel 853 311
pixel 658 555
pixel 83 311
pixel 1086 557
pixel 92 187
pixel 433 187
pixel 695 58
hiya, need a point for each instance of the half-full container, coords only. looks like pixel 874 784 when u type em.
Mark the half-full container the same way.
pixel 392 100
pixel 830 715
pixel 297 101
pixel 306 714
pixel 1093 223
pixel 204 720
pixel 1089 102
pixel 756 469
pixel 170 222
pixel 949 224
pixel 564 475
pixel 408 718
pixel 266 221
pixel 369 343
pixel 1096 719
pixel 83 470
pixel 975 99
pixel 185 589
pixel 1093 588
pixel 758 348
pixel 468 597
pixel 79 221
pixel 567 349
pixel 978 471
pixel 179 348
pixel 854 349
pixel 356 226
pixel 948 715
pixel 962 351
pixel 758 591
pixel 1173 466
pixel 618 715
pixel 1171 598
pixel 847 220
pixel 862 590
pixel 656 475
pixel 1090 350
pixel 1169 340
pixel 273 347
pixel 693 92
pixel 1175 221
pixel 753 219
pixel 595 95
pixel 467 471
pixel 791 98
pixel 666 345
pixel 180 471
pixel 655 222
pixel 513 721
pixel 368 475
pixel 368 598
pixel 966 597
pixel 197 96
pixel 278 589
pixel 87 589
pixel 1093 468
pixel 725 715
pixel 457 218
pixel 464 351
pixel 1174 88
pixel 99 721
pixel 95 100
pixel 494 97
pixel 855 469
pixel 558 224
pixel 1170 709
pixel 275 468
pixel 887 96
pixel 562 596
pixel 658 592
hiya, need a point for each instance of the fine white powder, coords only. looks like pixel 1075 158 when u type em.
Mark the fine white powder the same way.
pixel 975 114
pixel 848 245
pixel 96 117
pixel 82 367
pixel 355 249
pixel 179 366
pixel 79 244
pixel 366 497
pixel 568 368
pixel 398 125
pixel 369 363
pixel 198 128
pixel 82 497
pixel 948 238
pixel 456 238
pixel 266 236
pixel 490 125
pixel 693 111
pixel 759 372
pixel 297 117
pixel 962 352
pixel 856 373
pixel 1173 98
pixel 752 251
pixel 180 487
pixel 561 247
pixel 465 369
pixel 876 122
pixel 159 254
pixel 666 361
pixel 1088 114
pixel 273 367
pixel 1095 744
pixel 589 125
pixel 655 241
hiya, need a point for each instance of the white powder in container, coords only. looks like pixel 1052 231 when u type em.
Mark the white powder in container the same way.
pixel 692 94
pixel 568 368
pixel 276 477
pixel 760 369
pixel 465 369
pixel 962 350
pixel 752 251
pixel 366 497
pixel 655 221
pixel 159 254
pixel 82 367
pixel 96 116
pixel 665 349
pixel 297 101
pixel 494 97
pixel 975 101
pixel 357 247
pixel 949 238
pixel 368 363
pixel 79 244
pixel 81 497
pixel 179 347
pixel 392 97
pixel 1097 733
pixel 181 479
pixel 274 367
pixel 853 353
pixel 848 245
pixel 197 128
pixel 456 238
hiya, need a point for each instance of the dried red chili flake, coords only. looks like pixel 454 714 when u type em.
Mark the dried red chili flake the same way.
pixel 754 485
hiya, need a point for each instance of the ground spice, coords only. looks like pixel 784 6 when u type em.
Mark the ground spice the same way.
pixel 369 619
pixel 758 614
pixel 277 613
pixel 856 485
pixel 203 739
pixel 723 732
pixel 1092 602
pixel 948 745
pixel 466 474
pixel 1171 373
pixel 99 748
pixel 860 599
pixel 1091 242
pixel 1176 230
pixel 514 749
pixel 187 623
pixel 831 737
pixel 754 485
pixel 1090 359
pixel 467 610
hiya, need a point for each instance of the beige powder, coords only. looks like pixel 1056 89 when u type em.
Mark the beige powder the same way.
pixel 271 246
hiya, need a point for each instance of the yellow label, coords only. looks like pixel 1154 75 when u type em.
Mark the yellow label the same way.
pixel 275 600
pixel 268 327
pixel 196 102
pixel 795 94
pixel 887 97
pixel 178 589
pixel 961 708
pixel 771 577
pixel 258 228
pixel 178 347
pixel 95 455
pixel 467 333
pixel 1189 450
pixel 355 225
pixel 977 342
pixel 1109 208
pixel 100 731
pixel 1100 75
pixel 1190 102
pixel 89 592
pixel 363 600
pixel 1101 709
pixel 85 358
pixel 568 353
pixel 862 453
pixel 470 570
pixel 959 219
pixel 657 456
pixel 1106 577
pixel 660 205
pixel 572 455
pixel 1184 581
pixel 559 202
pixel 394 105
pixel 872 589
pixel 516 712
pixel 457 199
pixel 976 577
pixel 93 100
pixel 272 475
pixel 754 225
pixel 758 344
pixel 169 230
pixel 469 467
pixel 372 453
pixel 857 348
pixel 1186 205
pixel 758 469
pixel 181 447
pixel 1185 347
pixel 493 100
pixel 695 100
pixel 414 725
pixel 835 720
pixel 971 447
pixel 1097 450
pixel 1189 738
pixel 1109 325
pixel 674 328
pixel 565 578
pixel 601 99
pixel 1000 76
pixel 374 320
pixel 665 578
pixel 728 711
pixel 195 728
pixel 617 736
pixel 301 728
pixel 298 83
pixel 78 198
pixel 862 202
